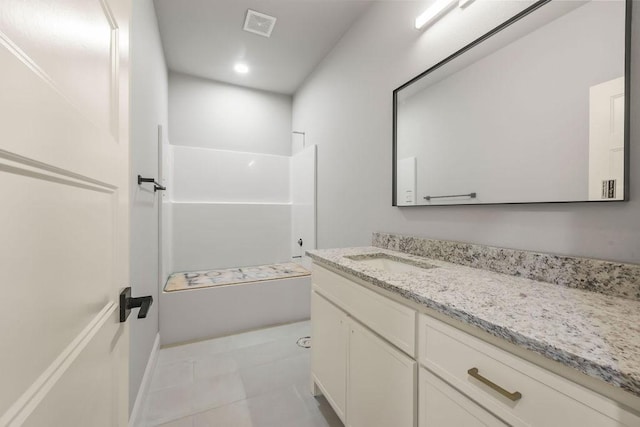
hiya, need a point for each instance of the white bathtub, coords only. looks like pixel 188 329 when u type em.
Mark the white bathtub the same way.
pixel 208 312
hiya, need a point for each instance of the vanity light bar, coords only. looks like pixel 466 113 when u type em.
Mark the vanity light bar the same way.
pixel 439 8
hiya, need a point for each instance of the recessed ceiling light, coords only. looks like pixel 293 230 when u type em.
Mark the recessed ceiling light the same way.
pixel 241 68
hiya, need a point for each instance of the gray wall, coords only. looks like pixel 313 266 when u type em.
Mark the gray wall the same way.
pixel 345 108
pixel 148 110
pixel 210 114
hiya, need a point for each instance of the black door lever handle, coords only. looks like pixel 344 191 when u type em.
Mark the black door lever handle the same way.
pixel 127 303
pixel 156 185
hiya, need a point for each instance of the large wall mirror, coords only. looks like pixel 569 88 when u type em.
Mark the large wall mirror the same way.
pixel 534 111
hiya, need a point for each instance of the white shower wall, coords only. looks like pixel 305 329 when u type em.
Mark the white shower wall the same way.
pixel 232 209
pixel 210 175
pixel 303 200
pixel 220 235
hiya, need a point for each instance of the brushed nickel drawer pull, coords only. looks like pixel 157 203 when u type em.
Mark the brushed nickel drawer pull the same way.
pixel 516 395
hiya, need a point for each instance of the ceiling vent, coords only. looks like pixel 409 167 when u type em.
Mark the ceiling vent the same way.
pixel 259 23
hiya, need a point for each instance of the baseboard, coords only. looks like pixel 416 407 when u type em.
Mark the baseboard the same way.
pixel 146 382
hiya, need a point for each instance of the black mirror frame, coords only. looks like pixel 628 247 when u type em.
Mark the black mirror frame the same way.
pixel 505 24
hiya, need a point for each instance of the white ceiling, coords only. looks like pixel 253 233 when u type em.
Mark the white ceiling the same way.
pixel 205 38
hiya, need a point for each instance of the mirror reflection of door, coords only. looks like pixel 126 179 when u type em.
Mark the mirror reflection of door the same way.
pixel 606 140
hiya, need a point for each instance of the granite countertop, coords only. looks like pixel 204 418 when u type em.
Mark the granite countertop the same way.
pixel 596 334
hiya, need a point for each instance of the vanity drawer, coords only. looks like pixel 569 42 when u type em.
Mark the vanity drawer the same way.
pixel 394 322
pixel 529 395
pixel 440 405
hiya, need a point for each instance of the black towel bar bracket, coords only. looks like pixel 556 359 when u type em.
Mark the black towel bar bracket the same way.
pixel 156 185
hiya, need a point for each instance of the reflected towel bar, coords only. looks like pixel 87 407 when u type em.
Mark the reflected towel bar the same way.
pixel 156 185
pixel 472 195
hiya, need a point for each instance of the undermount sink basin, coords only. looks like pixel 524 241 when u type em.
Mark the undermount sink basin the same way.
pixel 390 265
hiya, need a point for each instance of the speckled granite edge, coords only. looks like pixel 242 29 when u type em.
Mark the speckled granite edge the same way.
pixel 628 381
pixel 605 277
pixel 413 262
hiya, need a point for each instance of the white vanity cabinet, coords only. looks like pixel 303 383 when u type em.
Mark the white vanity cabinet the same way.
pixel 330 332
pixel 380 382
pixel 518 392
pixel 380 363
pixel 369 381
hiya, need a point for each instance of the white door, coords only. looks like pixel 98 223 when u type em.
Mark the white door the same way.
pixel 606 140
pixel 330 334
pixel 382 383
pixel 64 70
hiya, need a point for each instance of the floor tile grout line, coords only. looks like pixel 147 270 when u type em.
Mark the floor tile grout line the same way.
pixel 197 412
pixel 271 390
pixel 194 359
pixel 238 370
pixel 273 361
pixel 230 336
pixel 246 398
pixel 154 390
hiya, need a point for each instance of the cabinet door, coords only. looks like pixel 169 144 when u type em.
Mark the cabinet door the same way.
pixel 382 383
pixel 440 405
pixel 330 334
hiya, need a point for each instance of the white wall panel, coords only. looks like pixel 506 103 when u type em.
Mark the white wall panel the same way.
pixel 303 200
pixel 220 235
pixel 148 110
pixel 206 175
pixel 166 214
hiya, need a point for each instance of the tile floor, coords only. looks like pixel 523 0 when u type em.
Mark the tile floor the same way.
pixel 254 379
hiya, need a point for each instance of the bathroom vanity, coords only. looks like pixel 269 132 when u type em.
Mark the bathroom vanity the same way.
pixel 407 340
